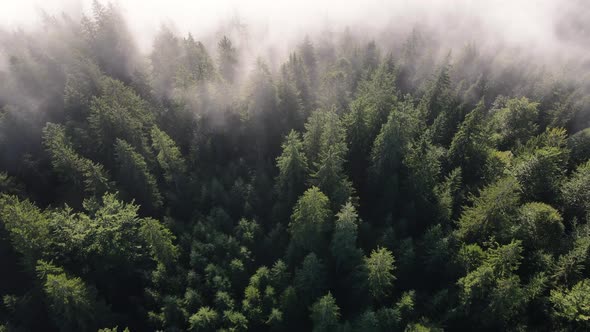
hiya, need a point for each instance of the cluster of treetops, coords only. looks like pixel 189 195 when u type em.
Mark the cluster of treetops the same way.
pixel 354 188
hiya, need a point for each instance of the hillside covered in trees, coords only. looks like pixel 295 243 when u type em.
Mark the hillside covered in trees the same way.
pixel 351 186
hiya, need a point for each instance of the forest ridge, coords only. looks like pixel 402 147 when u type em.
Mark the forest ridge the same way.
pixel 351 186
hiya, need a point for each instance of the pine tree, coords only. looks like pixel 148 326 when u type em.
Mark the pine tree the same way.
pixel 492 213
pixel 165 59
pixel 82 173
pixel 169 158
pixel 310 223
pixel 227 59
pixel 330 176
pixel 325 314
pixel 469 147
pixel 380 267
pixel 135 177
pixel 72 304
pixel 292 164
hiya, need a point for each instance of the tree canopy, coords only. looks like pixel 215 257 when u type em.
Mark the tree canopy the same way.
pixel 342 181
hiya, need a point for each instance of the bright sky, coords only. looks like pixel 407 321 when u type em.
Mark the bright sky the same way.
pixel 199 12
pixel 144 16
pixel 293 12
pixel 516 20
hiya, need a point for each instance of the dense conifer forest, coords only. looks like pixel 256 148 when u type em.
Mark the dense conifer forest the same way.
pixel 352 185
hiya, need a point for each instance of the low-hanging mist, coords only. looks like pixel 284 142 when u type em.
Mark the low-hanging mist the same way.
pixel 542 27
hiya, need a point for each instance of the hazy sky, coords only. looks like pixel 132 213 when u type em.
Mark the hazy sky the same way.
pixel 526 15
pixel 526 22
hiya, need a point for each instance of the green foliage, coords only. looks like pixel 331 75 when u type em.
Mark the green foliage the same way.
pixel 572 305
pixel 112 229
pixel 579 144
pixel 438 106
pixel 290 103
pixel 235 321
pixel 119 113
pixel 168 156
pixel 195 64
pixel 260 299
pixel 292 164
pixel 378 96
pixel 312 138
pixel 469 147
pixel 262 100
pixel 329 175
pixel 325 314
pixel 248 232
pixel 380 266
pixel 540 171
pixel 437 249
pixel 300 76
pixel 108 40
pixel 164 59
pixel 516 121
pixel 570 265
pixel 492 213
pixel 335 87
pixel 576 189
pixel 72 304
pixel 498 165
pixel 367 321
pixel 114 329
pixel 82 83
pixel 386 171
pixel 27 227
pixel 159 239
pixel 227 59
pixel 419 327
pixel 540 225
pixel 73 168
pixel 311 279
pixel 8 185
pixel 423 165
pixel 495 285
pixel 135 177
pixel 437 100
pixel 249 201
pixel 344 238
pixel 448 194
pixel 358 142
pixel 206 319
pixel 392 142
pixel 310 220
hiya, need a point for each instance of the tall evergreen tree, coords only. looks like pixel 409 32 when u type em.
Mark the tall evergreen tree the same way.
pixel 227 59
pixel 135 177
pixel 291 180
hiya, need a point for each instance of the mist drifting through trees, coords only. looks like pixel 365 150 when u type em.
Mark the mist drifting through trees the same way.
pixel 320 165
